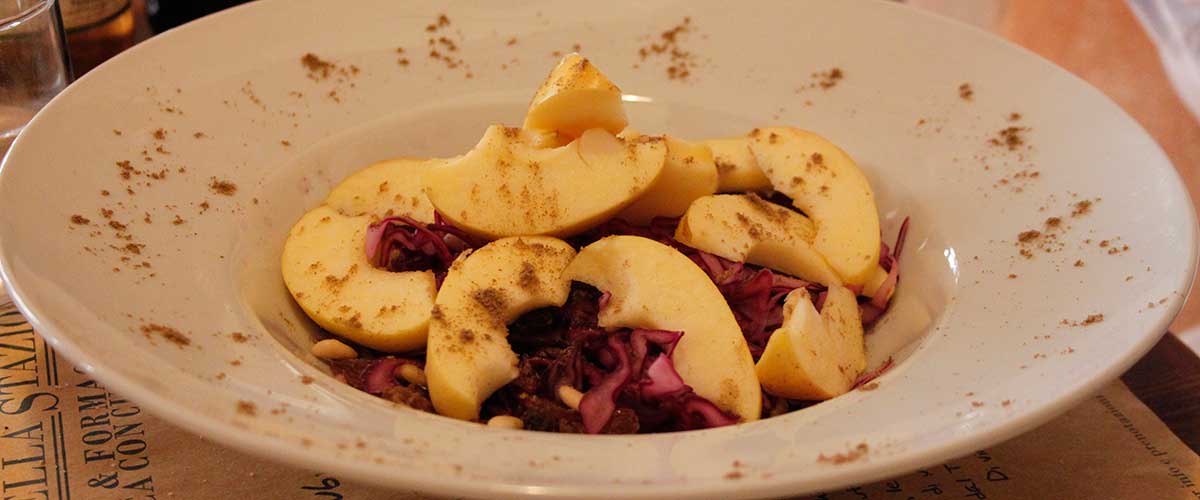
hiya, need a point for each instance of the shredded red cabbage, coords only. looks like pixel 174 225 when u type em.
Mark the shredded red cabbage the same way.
pixel 381 376
pixel 643 386
pixel 872 375
pixel 404 244
pixel 889 260
pixel 629 381
pixel 600 402
pixel 870 313
pixel 372 375
pixel 662 379
pixel 627 377
pixel 702 414
pixel 754 294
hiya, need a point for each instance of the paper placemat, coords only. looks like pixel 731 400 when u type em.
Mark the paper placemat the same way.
pixel 65 436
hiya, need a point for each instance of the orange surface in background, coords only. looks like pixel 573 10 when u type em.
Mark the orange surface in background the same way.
pixel 1103 42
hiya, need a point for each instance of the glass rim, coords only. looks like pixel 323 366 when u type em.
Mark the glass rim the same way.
pixel 11 21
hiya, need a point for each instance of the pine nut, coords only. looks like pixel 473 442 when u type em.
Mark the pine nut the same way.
pixel 506 422
pixel 412 374
pixel 333 349
pixel 570 396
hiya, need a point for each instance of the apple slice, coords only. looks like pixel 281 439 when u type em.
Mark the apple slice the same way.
pixel 325 268
pixel 687 174
pixel 737 169
pixel 874 281
pixel 747 228
pixel 542 139
pixel 652 285
pixel 576 97
pixel 387 188
pixel 814 356
pixel 825 183
pixel 506 187
pixel 468 357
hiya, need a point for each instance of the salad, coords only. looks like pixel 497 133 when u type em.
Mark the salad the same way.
pixel 576 275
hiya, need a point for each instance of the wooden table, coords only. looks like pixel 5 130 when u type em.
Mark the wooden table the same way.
pixel 1168 381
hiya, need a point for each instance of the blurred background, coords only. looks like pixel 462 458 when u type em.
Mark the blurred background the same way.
pixel 1145 54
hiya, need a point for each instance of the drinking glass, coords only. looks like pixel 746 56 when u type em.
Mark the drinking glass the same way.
pixel 33 62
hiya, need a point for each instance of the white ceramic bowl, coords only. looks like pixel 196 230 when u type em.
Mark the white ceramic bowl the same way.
pixel 226 90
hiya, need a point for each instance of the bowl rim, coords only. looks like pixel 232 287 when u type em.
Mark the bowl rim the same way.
pixel 277 449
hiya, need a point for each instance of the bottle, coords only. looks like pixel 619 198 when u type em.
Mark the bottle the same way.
pixel 96 30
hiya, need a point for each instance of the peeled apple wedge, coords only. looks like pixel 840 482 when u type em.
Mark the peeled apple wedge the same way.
pixel 468 356
pixel 652 285
pixel 814 356
pixel 506 187
pixel 542 139
pixel 688 174
pixel 576 97
pixel 737 169
pixel 325 268
pixel 825 183
pixel 747 228
pixel 387 188
pixel 874 281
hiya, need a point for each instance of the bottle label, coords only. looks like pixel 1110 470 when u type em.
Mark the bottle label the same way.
pixel 78 14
